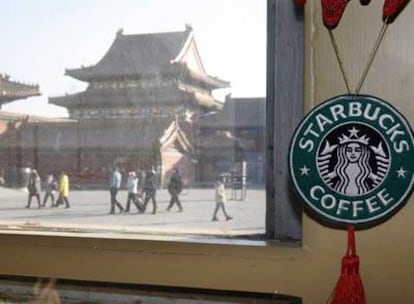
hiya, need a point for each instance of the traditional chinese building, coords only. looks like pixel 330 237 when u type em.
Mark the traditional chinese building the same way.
pixel 138 111
pixel 145 76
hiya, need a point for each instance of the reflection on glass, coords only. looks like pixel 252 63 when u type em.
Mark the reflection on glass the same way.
pixel 19 290
pixel 139 99
pixel 44 292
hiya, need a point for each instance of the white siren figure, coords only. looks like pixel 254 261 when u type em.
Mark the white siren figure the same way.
pixel 352 171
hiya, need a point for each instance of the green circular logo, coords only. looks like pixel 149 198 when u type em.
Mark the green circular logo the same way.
pixel 351 160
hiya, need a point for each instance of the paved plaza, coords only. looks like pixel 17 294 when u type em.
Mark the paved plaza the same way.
pixel 89 213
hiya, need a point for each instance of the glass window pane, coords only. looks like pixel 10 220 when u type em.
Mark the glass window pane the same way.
pixel 134 116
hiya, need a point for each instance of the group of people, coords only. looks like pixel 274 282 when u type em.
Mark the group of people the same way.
pixel 52 185
pixel 142 198
pixel 149 189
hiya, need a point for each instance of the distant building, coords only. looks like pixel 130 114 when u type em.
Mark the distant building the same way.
pixel 138 111
pixel 233 135
pixel 145 76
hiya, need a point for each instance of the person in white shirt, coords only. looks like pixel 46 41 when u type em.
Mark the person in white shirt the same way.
pixel 220 196
pixel 132 187
pixel 114 185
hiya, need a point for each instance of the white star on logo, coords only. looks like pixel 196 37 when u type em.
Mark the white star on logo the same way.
pixel 353 132
pixel 401 172
pixel 304 170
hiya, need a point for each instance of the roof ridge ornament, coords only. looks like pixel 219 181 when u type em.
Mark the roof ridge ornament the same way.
pixel 188 27
pixel 119 32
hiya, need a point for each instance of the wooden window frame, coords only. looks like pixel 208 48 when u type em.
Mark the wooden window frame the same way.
pixel 284 96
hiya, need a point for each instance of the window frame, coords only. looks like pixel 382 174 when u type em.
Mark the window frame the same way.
pixel 284 103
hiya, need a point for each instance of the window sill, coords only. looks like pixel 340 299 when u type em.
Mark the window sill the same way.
pixel 257 240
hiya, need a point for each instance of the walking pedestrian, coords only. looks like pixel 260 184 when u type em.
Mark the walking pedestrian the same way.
pixel 34 188
pixel 132 187
pixel 175 187
pixel 50 188
pixel 220 196
pixel 114 185
pixel 63 190
pixel 150 188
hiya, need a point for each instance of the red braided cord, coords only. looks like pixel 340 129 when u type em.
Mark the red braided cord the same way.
pixel 351 249
pixel 391 7
pixel 332 11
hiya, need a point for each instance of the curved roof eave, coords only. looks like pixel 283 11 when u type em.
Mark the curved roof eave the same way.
pixel 66 100
pixel 13 90
pixel 213 82
pixel 190 42
pixel 74 73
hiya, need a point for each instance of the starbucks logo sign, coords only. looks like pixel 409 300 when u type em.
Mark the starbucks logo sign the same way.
pixel 352 160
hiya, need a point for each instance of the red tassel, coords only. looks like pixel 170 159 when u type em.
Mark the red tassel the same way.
pixel 332 11
pixel 349 288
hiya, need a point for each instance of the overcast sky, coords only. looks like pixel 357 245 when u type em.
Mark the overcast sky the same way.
pixel 40 38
